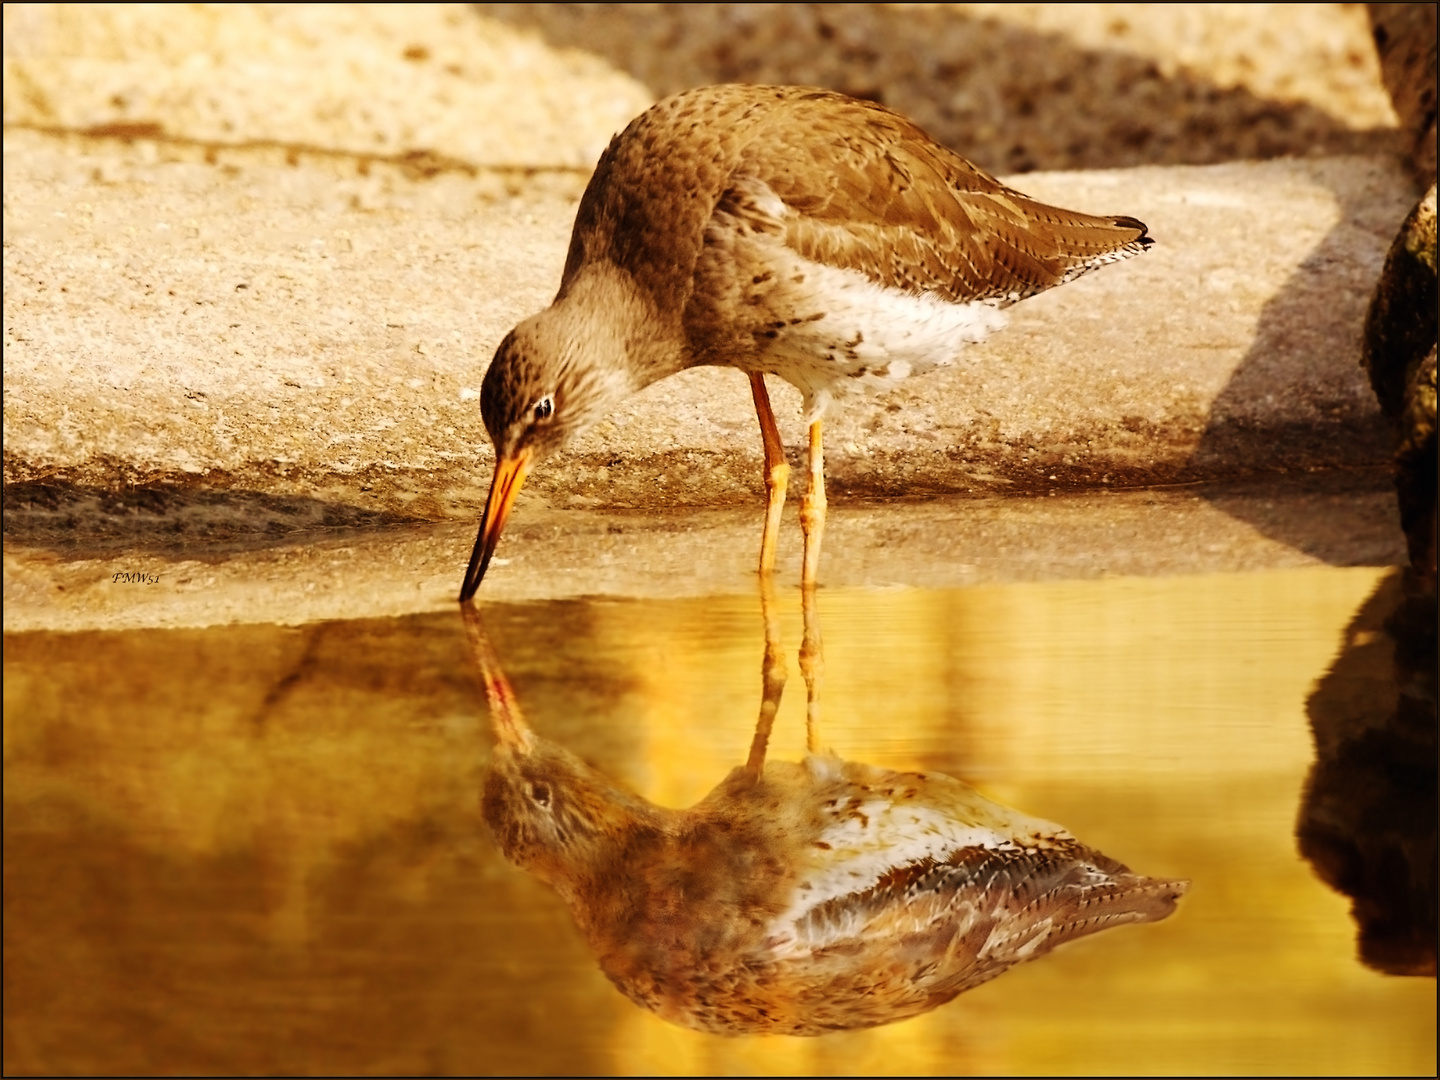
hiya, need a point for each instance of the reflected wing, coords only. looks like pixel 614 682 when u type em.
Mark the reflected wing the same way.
pixel 926 865
pixel 988 908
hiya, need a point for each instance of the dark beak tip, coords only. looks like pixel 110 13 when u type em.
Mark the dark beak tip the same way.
pixel 479 563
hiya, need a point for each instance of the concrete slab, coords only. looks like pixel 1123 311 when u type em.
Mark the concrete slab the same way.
pixel 233 264
pixel 297 330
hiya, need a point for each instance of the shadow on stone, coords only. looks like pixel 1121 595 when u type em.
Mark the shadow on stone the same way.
pixel 1332 418
pixel 73 519
pixel 1009 99
pixel 1396 326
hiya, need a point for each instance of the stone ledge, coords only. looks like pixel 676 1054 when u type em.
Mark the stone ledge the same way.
pixel 308 331
pixel 198 575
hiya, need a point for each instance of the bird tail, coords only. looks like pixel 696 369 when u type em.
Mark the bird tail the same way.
pixel 1083 895
pixel 1090 241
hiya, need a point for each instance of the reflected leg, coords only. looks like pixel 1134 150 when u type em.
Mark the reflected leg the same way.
pixel 773 676
pixel 777 472
pixel 812 666
pixel 812 509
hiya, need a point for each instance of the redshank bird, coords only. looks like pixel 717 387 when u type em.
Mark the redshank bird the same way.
pixel 802 898
pixel 774 229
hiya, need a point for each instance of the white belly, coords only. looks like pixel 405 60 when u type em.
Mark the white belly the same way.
pixel 861 337
pixel 826 329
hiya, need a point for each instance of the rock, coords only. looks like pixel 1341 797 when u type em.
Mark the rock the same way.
pixel 1405 37
pixel 310 331
pixel 1399 354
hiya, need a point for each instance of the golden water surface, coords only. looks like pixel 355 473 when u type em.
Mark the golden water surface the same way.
pixel 259 849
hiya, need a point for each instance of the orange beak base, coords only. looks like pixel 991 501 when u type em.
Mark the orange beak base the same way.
pixel 509 477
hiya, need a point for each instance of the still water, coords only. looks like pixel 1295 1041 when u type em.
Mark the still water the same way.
pixel 259 848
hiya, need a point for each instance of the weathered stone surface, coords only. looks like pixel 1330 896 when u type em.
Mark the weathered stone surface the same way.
pixel 185 569
pixel 234 264
pixel 427 84
pixel 299 331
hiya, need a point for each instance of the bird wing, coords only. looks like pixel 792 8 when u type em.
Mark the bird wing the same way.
pixel 658 183
pixel 867 190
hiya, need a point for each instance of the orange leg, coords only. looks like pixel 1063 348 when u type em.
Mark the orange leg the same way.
pixel 812 509
pixel 777 472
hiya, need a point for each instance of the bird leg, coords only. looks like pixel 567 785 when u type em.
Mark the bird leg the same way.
pixel 812 508
pixel 773 676
pixel 777 472
pixel 812 666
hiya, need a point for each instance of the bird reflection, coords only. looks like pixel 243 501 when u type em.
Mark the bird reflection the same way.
pixel 796 898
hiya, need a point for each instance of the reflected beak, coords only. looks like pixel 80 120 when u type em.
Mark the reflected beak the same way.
pixel 509 476
pixel 511 731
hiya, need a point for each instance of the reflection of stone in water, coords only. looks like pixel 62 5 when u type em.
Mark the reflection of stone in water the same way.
pixel 798 898
pixel 1368 818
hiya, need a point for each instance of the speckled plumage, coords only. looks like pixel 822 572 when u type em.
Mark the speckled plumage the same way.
pixel 782 230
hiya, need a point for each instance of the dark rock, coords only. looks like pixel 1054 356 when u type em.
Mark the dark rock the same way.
pixel 1399 354
pixel 1405 37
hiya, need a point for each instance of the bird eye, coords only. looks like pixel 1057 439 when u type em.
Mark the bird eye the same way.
pixel 540 793
pixel 544 407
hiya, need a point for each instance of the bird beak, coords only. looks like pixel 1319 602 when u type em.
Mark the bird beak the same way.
pixel 511 731
pixel 509 476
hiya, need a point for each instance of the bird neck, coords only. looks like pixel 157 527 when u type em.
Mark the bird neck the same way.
pixel 602 305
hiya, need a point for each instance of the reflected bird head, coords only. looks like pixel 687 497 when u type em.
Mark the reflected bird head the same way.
pixel 551 814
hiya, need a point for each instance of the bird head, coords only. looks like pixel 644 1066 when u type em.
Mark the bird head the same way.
pixel 553 378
